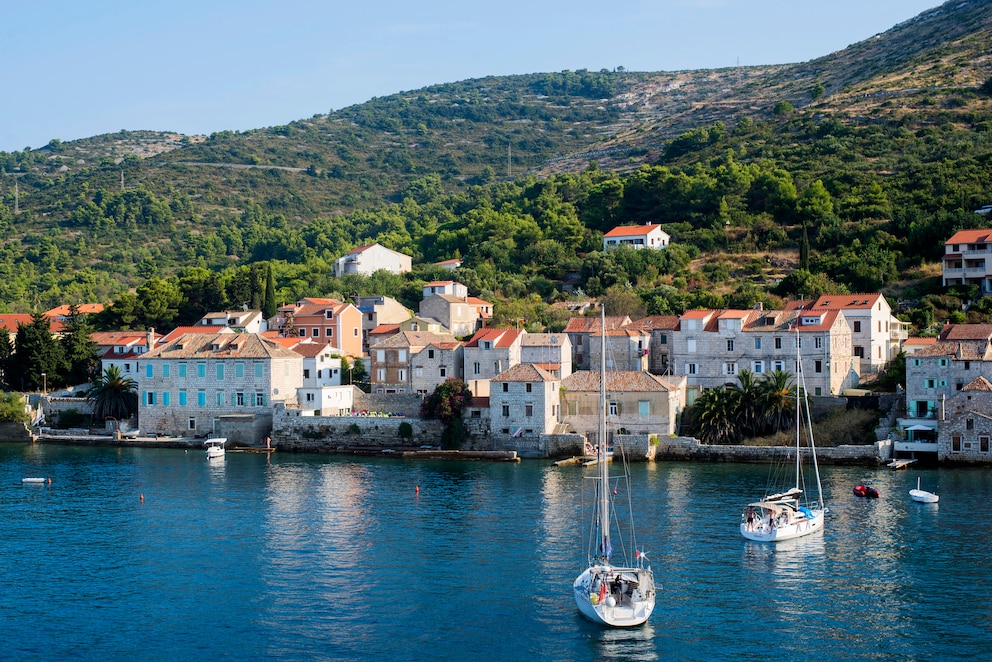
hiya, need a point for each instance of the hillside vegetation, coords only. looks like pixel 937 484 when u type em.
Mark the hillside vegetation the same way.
pixel 843 173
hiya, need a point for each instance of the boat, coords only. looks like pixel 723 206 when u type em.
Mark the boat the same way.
pixel 922 495
pixel 795 511
pixel 215 447
pixel 866 491
pixel 896 465
pixel 36 481
pixel 609 593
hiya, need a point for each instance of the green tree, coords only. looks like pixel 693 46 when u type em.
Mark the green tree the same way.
pixel 6 353
pixel 114 396
pixel 12 408
pixel 269 308
pixel 78 348
pixel 445 404
pixel 38 358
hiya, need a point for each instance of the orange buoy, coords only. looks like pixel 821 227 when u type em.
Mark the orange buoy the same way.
pixel 142 498
pixel 417 489
pixel 49 481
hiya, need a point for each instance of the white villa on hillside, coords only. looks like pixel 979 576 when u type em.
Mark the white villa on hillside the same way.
pixel 636 236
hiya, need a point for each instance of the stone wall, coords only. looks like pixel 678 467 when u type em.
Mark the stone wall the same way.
pixel 53 406
pixel 406 404
pixel 293 432
pixel 15 432
pixel 690 449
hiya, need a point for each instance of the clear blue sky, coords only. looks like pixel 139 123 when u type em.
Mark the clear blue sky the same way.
pixel 79 68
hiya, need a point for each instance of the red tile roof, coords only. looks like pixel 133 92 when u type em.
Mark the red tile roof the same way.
pixel 631 230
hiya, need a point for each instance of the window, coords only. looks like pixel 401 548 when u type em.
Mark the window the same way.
pixel 690 368
pixel 182 398
pixel 859 352
pixel 930 383
pixel 220 398
pixel 443 371
pixel 201 398
pixel 380 355
pixel 182 369
pixel 418 371
pixel 690 345
pixel 818 343
pixel 778 365
pixel 664 340
pixel 329 332
pixel 476 368
pixel 818 391
pixel 380 375
pixel 817 366
pixel 730 368
pixel 306 373
pixel 969 424
pixel 259 399
pixel 643 408
pixel 983 444
pixel 430 353
pixel 239 370
pixel 191 423
pixel 259 370
pixel 166 398
pixel 857 326
pixel 149 370
pixel 759 367
pixel 956 444
pixel 967 365
pixel 506 387
pixel 778 343
pixel 401 375
pixel 757 343
pixel 166 370
pixel 401 356
pixel 315 332
pixel 942 363
pixel 730 344
pixel 201 369
pixel 916 363
pixel 614 409
pixel 506 411
pixel 220 372
pixel 309 397
pixel 239 399
pixel 528 409
pixel 529 388
pixel 150 398
pixel 302 333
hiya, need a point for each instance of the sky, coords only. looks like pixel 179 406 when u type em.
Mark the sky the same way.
pixel 80 68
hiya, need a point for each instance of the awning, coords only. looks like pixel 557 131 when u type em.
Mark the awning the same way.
pixel 920 428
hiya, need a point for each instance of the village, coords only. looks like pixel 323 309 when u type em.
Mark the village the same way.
pixel 238 375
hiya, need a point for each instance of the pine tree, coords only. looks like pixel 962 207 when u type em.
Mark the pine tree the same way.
pixel 38 358
pixel 79 350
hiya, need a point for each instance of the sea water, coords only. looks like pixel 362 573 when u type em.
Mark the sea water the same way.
pixel 157 554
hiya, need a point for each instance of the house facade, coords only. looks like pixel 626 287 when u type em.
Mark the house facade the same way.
pixel 711 347
pixel 242 321
pixel 661 330
pixel 580 330
pixel 185 386
pixel 391 360
pixel 876 334
pixel 324 321
pixel 524 401
pixel 966 429
pixel 123 349
pixel 377 311
pixel 639 402
pixel 637 237
pixel 436 363
pixel 966 260
pixel 366 260
pixel 548 351
pixel 455 313
pixel 491 352
pixel 627 348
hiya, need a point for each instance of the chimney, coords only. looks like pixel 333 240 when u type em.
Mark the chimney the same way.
pixel 150 338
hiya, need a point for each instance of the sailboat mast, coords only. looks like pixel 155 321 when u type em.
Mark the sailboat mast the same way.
pixel 800 384
pixel 604 471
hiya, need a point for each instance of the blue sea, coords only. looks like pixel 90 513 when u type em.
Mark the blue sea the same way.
pixel 158 554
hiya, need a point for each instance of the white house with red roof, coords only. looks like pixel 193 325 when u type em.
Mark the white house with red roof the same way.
pixel 966 259
pixel 876 334
pixel 636 236
pixel 450 265
pixel 366 260
pixel 452 287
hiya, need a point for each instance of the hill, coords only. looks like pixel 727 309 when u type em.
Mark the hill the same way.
pixel 896 128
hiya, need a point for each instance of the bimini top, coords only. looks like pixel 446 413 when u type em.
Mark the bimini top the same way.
pixel 776 507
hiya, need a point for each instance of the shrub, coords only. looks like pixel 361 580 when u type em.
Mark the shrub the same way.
pixel 405 430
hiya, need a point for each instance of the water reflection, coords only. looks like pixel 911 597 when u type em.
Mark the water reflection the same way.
pixel 626 644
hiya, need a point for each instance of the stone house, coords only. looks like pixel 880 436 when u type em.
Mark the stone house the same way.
pixel 491 352
pixel 123 349
pixel 436 363
pixel 453 312
pixel 638 402
pixel 377 311
pixel 524 401
pixel 711 347
pixel 966 429
pixel 579 331
pixel 391 360
pixel 661 329
pixel 187 385
pixel 549 351
pixel 366 260
pixel 627 348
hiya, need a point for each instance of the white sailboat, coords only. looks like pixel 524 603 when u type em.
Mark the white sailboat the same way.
pixel 613 595
pixel 922 495
pixel 793 512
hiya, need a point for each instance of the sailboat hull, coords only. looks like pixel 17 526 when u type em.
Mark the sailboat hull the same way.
pixel 760 531
pixel 630 606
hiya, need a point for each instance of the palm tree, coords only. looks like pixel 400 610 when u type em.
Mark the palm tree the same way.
pixel 777 401
pixel 714 416
pixel 745 393
pixel 114 395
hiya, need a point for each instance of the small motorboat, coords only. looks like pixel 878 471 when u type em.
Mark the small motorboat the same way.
pixel 35 481
pixel 866 491
pixel 922 495
pixel 215 447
